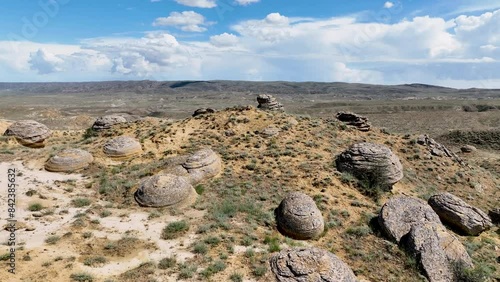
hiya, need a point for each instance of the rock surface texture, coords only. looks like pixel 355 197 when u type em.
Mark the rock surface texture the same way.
pixel 122 147
pixel 457 213
pixel 298 217
pixel 495 215
pixel 106 122
pixel 268 102
pixel 309 265
pixel 29 133
pixel 203 111
pixel 270 131
pixel 468 149
pixel 400 213
pixel 373 161
pixel 437 149
pixel 165 190
pixel 69 160
pixel 352 119
pixel 200 165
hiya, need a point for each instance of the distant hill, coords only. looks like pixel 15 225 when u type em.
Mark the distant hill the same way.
pixel 334 89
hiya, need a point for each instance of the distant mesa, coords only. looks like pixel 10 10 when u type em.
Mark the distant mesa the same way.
pixel 165 190
pixel 69 160
pixel 298 217
pixel 196 167
pixel 122 147
pixel 106 122
pixel 29 133
pixel 203 111
pixel 269 103
pixel 375 163
pixel 355 120
pixel 309 264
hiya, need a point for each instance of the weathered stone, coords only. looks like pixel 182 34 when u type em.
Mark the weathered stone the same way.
pixel 200 165
pixel 106 122
pixel 29 133
pixel 468 149
pixel 268 102
pixel 309 265
pixel 352 119
pixel 203 111
pixel 270 131
pixel 374 162
pixel 437 149
pixel 400 213
pixel 457 213
pixel 298 217
pixel 436 250
pixel 122 147
pixel 165 190
pixel 69 160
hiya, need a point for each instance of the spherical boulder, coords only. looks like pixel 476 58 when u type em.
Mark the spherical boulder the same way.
pixel 106 122
pixel 202 164
pixel 122 147
pixel 165 190
pixel 69 160
pixel 309 264
pixel 298 217
pixel 29 133
pixel 373 162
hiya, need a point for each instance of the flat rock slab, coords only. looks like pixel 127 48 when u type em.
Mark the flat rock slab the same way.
pixel 310 265
pixel 400 213
pixel 122 147
pixel 69 160
pixel 165 190
pixel 29 133
pixel 106 122
pixel 298 217
pixel 457 213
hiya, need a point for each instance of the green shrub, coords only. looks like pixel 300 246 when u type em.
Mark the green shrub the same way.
pixel 174 230
pixel 80 202
pixel 35 207
pixel 166 263
pixel 81 277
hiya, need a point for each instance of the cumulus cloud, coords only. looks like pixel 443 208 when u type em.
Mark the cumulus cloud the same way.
pixel 224 40
pixel 388 5
pixel 198 3
pixel 186 21
pixel 246 2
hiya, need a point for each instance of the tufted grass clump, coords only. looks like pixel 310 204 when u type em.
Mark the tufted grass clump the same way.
pixel 52 240
pixel 167 262
pixel 174 230
pixel 80 202
pixel 81 277
pixel 95 261
pixel 35 207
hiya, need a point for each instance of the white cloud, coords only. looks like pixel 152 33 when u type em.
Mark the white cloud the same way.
pixel 224 40
pixel 186 21
pixel 246 2
pixel 388 5
pixel 198 3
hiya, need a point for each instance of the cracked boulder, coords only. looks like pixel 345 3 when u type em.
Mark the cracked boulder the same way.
pixel 196 167
pixel 29 133
pixel 309 264
pixel 457 213
pixel 165 190
pixel 69 160
pixel 122 147
pixel 298 217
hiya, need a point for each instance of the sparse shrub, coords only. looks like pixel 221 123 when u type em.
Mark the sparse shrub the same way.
pixel 52 240
pixel 95 261
pixel 35 207
pixel 199 189
pixel 80 202
pixel 259 270
pixel 168 262
pixel 174 230
pixel 81 277
pixel 213 268
pixel 200 248
pixel 236 277
pixel 187 271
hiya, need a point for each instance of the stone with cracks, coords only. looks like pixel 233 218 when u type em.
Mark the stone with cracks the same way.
pixel 122 147
pixel 69 160
pixel 165 190
pixel 268 102
pixel 352 119
pixel 29 133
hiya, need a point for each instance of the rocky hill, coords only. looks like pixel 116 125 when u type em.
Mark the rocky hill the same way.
pixel 245 194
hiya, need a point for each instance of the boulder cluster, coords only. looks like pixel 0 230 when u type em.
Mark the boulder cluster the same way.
pixel 29 133
pixel 437 149
pixel 269 103
pixel 355 120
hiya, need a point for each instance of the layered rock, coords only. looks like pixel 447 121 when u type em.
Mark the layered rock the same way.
pixel 268 102
pixel 373 162
pixel 203 111
pixel 437 149
pixel 29 133
pixel 352 119
pixel 69 160
pixel 309 264
pixel 399 214
pixel 165 190
pixel 457 213
pixel 200 165
pixel 122 147
pixel 436 251
pixel 298 217
pixel 106 122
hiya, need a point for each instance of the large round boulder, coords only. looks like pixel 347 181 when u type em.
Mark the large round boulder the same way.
pixel 457 213
pixel 309 264
pixel 202 164
pixel 298 217
pixel 69 160
pixel 29 133
pixel 165 190
pixel 400 213
pixel 373 162
pixel 122 147
pixel 106 122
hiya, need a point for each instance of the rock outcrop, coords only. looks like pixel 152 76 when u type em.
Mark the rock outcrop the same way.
pixel 298 217
pixel 203 111
pixel 270 131
pixel 309 264
pixel 436 251
pixel 122 147
pixel 352 119
pixel 29 133
pixel 468 149
pixel 269 103
pixel 373 162
pixel 437 149
pixel 165 190
pixel 400 213
pixel 106 122
pixel 200 165
pixel 69 160
pixel 457 213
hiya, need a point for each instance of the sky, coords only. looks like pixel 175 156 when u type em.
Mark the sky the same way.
pixel 440 42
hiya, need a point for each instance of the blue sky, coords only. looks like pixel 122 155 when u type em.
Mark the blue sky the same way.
pixel 383 42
